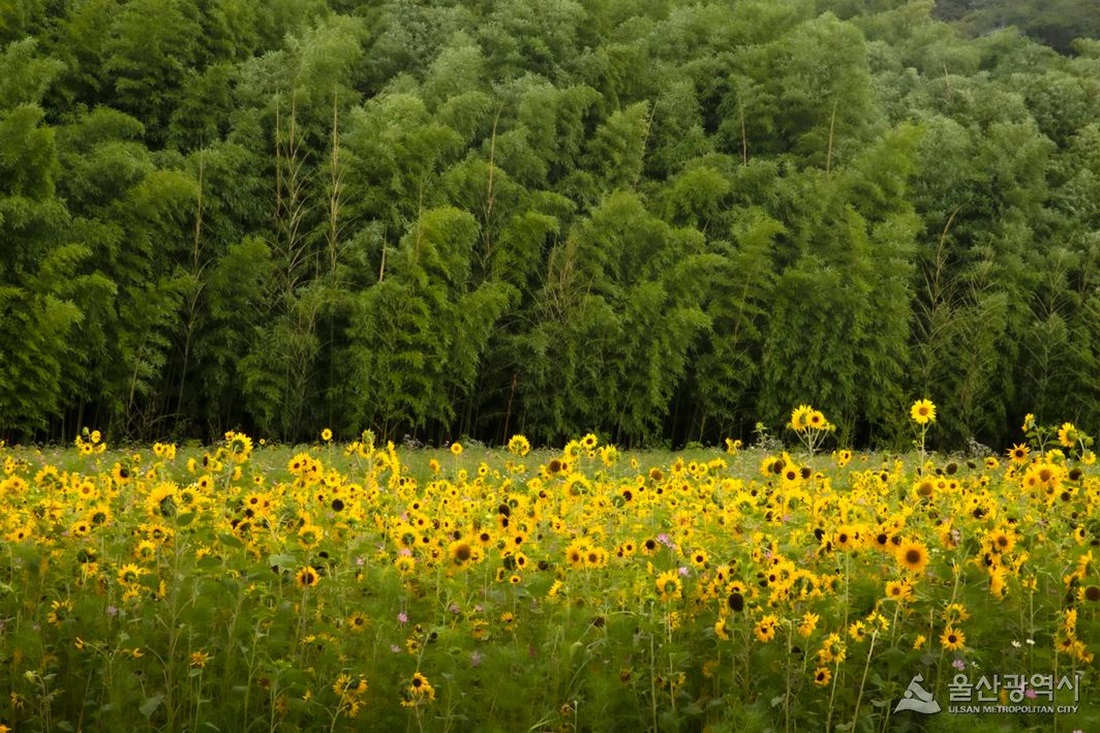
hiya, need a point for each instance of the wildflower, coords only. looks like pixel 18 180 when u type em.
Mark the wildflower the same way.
pixel 955 612
pixel 306 577
pixel 832 650
pixel 822 676
pixel 720 630
pixel 669 586
pixel 199 659
pixel 997 576
pixel 923 412
pixel 418 692
pixel 1019 452
pixel 310 534
pixel 357 622
pixel 1001 540
pixel 765 628
pixel 899 590
pixel 129 573
pixel 59 611
pixel 461 553
pixel 1068 435
pixel 239 446
pixel 913 556
pixel 800 418
pixel 121 473
pixel 809 623
pixel 519 445
pixel 952 639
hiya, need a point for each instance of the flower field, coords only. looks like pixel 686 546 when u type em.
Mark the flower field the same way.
pixel 358 586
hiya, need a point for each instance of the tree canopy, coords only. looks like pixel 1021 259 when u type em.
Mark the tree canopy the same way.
pixel 659 220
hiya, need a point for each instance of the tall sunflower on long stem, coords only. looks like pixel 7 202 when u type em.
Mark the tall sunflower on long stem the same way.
pixel 923 413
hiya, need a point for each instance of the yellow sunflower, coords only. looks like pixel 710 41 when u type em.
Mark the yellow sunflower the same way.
pixel 913 556
pixel 307 577
pixel 952 639
pixel 923 412
pixel 669 586
pixel 1018 453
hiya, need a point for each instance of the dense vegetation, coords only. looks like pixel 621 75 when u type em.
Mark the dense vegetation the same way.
pixel 657 219
pixel 364 588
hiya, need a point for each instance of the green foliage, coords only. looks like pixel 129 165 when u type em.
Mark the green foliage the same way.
pixel 663 221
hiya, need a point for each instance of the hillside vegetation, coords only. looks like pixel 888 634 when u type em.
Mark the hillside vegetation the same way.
pixel 662 221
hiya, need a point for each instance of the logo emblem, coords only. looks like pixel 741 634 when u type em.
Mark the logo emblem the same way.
pixel 918 699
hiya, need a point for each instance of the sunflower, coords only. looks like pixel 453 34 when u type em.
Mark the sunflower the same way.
pixel 121 474
pixel 595 557
pixel 832 650
pixel 461 553
pixel 699 558
pixel 1068 435
pixel 59 611
pixel 765 628
pixel 913 556
pixel 809 623
pixel 418 692
pixel 952 639
pixel 899 590
pixel 130 573
pixel 310 534
pixel 519 445
pixel 669 586
pixel 456 449
pixel 800 418
pixel 326 435
pixel 846 538
pixel 239 446
pixel 357 622
pixel 306 577
pixel 1018 452
pixel 923 412
pixel 822 676
pixel 1001 540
